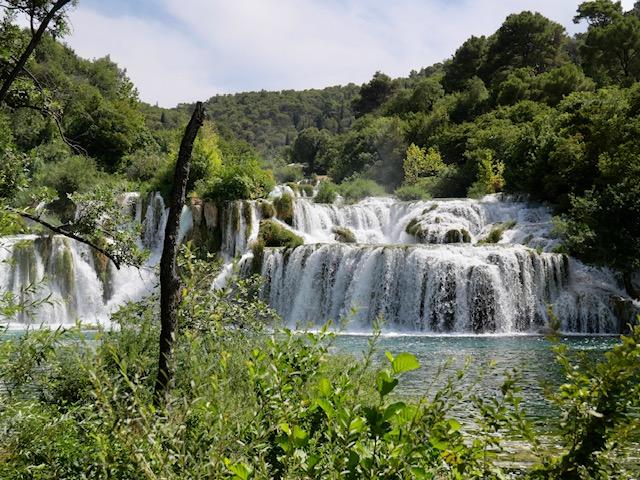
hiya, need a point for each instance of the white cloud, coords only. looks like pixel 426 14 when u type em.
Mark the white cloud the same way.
pixel 166 66
pixel 276 44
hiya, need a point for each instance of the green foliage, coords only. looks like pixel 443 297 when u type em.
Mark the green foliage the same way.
pixel 490 177
pixel 81 406
pixel 273 234
pixel 284 208
pixel 327 192
pixel 421 163
pixel 359 188
pixel 412 192
pixel 598 402
pixel 611 45
pixel 344 235
pixel 373 94
pixel 495 235
pixel 288 174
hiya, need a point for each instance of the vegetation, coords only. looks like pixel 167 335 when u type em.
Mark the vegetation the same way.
pixel 284 208
pixel 273 234
pixel 495 235
pixel 344 235
pixel 74 406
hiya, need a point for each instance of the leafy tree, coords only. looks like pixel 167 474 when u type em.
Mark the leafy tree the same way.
pixel 373 94
pixel 611 45
pixel 421 162
pixel 526 40
pixel 47 15
pixel 466 63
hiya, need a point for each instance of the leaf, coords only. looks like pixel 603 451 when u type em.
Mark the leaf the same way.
pixel 405 362
pixel 300 437
pixel 393 409
pixel 324 404
pixel 385 383
pixel 454 425
pixel 324 387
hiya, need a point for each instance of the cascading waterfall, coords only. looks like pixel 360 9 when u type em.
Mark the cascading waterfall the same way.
pixel 419 266
pixel 424 267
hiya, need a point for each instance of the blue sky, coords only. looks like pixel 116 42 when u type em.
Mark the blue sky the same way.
pixel 184 50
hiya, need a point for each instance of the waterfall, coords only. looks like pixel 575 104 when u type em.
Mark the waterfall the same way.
pixel 423 266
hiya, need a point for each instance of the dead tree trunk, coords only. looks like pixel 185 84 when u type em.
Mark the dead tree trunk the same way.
pixel 169 280
pixel 35 39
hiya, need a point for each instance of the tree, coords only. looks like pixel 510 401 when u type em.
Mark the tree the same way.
pixel 465 64
pixel 526 40
pixel 47 12
pixel 611 45
pixel 421 162
pixel 373 94
pixel 169 280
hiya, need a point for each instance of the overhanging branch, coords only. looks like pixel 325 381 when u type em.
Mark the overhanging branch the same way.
pixel 68 234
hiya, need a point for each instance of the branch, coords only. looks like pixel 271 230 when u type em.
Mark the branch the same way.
pixel 68 234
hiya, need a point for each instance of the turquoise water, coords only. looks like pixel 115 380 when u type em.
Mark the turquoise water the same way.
pixel 531 356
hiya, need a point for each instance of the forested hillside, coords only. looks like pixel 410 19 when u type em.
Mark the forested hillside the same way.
pixel 270 121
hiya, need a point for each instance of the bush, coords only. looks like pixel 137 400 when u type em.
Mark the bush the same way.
pixel 73 174
pixel 272 234
pixel 237 183
pixel 327 192
pixel 288 173
pixel 412 192
pixel 284 208
pixel 359 188
pixel 495 235
pixel 144 165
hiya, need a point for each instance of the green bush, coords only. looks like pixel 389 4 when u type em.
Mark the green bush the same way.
pixel 359 188
pixel 143 165
pixel 495 235
pixel 272 234
pixel 237 183
pixel 327 192
pixel 284 208
pixel 288 174
pixel 73 174
pixel 412 192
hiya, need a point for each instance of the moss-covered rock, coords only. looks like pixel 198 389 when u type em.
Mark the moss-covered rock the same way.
pixel 272 234
pixel 413 227
pixel 266 209
pixel 457 236
pixel 284 208
pixel 344 235
pixel 258 256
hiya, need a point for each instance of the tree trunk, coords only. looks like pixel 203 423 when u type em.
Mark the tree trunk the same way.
pixel 169 280
pixel 35 39
pixel 632 291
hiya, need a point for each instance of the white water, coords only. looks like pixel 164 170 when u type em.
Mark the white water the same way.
pixel 416 283
pixel 432 281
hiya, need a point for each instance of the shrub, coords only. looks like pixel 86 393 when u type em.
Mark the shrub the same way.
pixel 359 188
pixel 284 208
pixel 327 192
pixel 272 234
pixel 237 183
pixel 288 173
pixel 412 192
pixel 495 235
pixel 73 174
pixel 143 165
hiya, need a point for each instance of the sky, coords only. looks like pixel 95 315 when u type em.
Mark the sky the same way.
pixel 185 50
